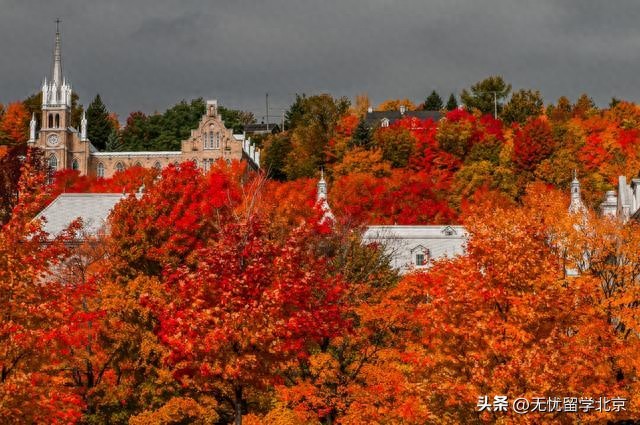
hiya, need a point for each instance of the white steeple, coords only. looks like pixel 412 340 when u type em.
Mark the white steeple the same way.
pixel 321 199
pixel 576 204
pixel 56 92
pixel 56 72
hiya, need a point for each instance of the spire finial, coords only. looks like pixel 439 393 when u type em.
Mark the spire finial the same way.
pixel 57 21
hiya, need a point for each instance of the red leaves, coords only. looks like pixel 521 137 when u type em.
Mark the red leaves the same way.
pixel 533 143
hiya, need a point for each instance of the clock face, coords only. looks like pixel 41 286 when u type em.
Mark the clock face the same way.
pixel 53 140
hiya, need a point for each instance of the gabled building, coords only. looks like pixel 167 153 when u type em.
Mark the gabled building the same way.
pixel 416 247
pixel 66 147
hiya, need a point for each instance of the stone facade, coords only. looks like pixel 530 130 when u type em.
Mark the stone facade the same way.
pixel 67 148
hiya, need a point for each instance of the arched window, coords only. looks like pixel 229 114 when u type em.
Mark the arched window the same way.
pixel 119 167
pixel 138 164
pixel 157 165
pixel 57 120
pixel 217 145
pixel 100 170
pixel 75 165
pixel 53 163
pixel 207 163
pixel 209 140
pixel 50 120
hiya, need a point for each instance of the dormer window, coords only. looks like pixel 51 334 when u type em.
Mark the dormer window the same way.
pixel 448 231
pixel 384 122
pixel 420 256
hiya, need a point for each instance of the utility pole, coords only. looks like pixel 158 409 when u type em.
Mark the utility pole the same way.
pixel 495 102
pixel 495 105
pixel 267 102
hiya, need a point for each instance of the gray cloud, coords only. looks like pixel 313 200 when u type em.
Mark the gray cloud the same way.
pixel 148 54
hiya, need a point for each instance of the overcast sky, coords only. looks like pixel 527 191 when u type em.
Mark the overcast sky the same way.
pixel 149 54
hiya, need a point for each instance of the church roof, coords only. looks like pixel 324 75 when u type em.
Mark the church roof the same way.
pixel 92 208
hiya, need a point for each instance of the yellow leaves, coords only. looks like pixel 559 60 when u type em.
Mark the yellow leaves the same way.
pixel 180 410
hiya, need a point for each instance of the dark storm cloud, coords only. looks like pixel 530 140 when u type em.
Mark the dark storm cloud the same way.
pixel 148 54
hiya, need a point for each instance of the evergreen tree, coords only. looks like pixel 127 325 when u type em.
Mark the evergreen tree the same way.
pixel 452 103
pixel 99 126
pixel 362 135
pixel 433 102
pixel 113 142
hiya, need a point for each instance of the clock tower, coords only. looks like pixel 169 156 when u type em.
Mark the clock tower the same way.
pixel 63 146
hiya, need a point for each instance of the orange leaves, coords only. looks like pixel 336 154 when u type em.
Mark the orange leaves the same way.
pixel 15 123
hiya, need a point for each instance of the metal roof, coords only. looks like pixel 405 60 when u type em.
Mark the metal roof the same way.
pixel 92 208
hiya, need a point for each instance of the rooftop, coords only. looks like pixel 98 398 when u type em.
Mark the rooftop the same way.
pixel 92 208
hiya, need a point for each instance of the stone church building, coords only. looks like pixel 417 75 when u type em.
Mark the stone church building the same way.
pixel 67 148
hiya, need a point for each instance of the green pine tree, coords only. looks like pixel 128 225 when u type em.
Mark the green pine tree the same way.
pixel 433 102
pixel 362 135
pixel 99 126
pixel 113 142
pixel 452 103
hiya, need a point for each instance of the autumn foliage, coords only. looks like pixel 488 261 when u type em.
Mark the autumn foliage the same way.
pixel 225 297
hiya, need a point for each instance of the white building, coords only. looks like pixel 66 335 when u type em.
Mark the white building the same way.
pixel 416 247
pixel 625 204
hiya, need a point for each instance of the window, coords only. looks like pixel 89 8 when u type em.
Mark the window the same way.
pixel 138 164
pixel 217 145
pixel 157 166
pixel 53 163
pixel 207 164
pixel 57 121
pixel 448 231
pixel 100 170
pixel 50 120
pixel 119 167
pixel 420 256
pixel 75 165
pixel 385 122
pixel 208 142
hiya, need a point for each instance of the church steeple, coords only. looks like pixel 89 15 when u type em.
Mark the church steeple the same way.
pixel 56 72
pixel 322 202
pixel 576 200
pixel 56 93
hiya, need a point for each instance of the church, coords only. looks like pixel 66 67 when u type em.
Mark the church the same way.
pixel 65 147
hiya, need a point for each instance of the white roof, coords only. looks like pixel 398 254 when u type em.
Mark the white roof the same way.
pixel 415 232
pixel 92 208
pixel 138 154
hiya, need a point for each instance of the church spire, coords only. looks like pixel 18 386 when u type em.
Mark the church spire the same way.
pixel 56 73
pixel 56 92
pixel 576 200
pixel 321 200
